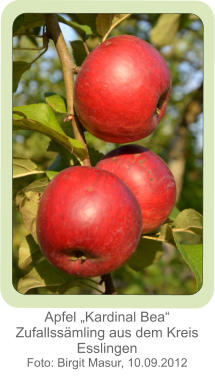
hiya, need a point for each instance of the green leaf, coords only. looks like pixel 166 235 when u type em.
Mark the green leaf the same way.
pixel 23 167
pixel 188 218
pixel 187 237
pixel 28 206
pixel 27 21
pixel 174 213
pixel 57 102
pixel 106 22
pixel 29 253
pixel 39 112
pixel 165 30
pixel 148 252
pixel 85 19
pixel 95 156
pixel 192 255
pixel 38 271
pixel 28 201
pixel 83 30
pixel 41 118
pixel 21 183
pixel 38 186
pixel 18 69
pixel 51 174
pixel 182 229
pixel 166 234
pixel 63 159
pixel 79 52
pixel 43 275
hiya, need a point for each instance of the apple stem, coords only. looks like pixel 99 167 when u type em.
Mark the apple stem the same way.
pixel 68 68
pixel 109 286
pixel 86 47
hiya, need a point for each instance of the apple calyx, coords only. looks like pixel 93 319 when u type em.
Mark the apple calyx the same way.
pixel 163 99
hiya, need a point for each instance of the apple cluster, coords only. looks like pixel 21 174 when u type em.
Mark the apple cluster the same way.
pixel 90 219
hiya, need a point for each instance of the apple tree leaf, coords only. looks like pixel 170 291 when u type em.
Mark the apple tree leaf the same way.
pixel 41 118
pixel 166 234
pixel 105 23
pixel 42 275
pixel 23 167
pixel 148 252
pixel 192 254
pixel 28 201
pixel 18 69
pixel 27 21
pixel 79 52
pixel 28 254
pixel 37 186
pixel 84 31
pixel 37 272
pixel 187 236
pixel 188 218
pixel 95 156
pixel 164 32
pixel 28 206
pixel 56 102
pixel 174 213
pixel 85 19
pixel 51 174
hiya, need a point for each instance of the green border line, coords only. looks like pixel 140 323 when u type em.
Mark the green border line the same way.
pixel 11 296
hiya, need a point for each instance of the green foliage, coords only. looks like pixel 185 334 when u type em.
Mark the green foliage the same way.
pixel 37 272
pixel 164 32
pixel 18 69
pixel 83 30
pixel 23 167
pixel 95 156
pixel 148 252
pixel 41 118
pixel 192 255
pixel 26 22
pixel 85 19
pixel 166 262
pixel 79 52
pixel 56 102
pixel 184 233
pixel 174 213
pixel 28 206
pixel 105 22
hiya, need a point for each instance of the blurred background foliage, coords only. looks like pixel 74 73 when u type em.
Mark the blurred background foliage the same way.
pixel 178 139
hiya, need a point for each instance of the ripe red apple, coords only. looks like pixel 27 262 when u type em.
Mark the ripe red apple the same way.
pixel 88 222
pixel 148 177
pixel 122 89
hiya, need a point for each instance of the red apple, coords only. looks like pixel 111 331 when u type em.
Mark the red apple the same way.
pixel 122 89
pixel 148 177
pixel 88 222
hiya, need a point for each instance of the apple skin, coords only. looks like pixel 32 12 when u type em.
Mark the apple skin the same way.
pixel 88 222
pixel 119 87
pixel 148 177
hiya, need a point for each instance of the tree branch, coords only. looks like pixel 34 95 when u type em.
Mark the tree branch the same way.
pixel 68 67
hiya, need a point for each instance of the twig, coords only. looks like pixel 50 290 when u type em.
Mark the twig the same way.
pixel 54 31
pixel 109 286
